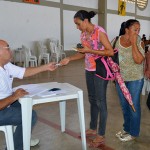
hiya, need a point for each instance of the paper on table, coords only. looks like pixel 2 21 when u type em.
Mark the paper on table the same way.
pixel 33 89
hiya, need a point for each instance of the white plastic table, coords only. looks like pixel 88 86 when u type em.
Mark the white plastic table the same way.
pixel 72 93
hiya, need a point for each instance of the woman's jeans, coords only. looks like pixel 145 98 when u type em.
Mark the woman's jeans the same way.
pixel 131 118
pixel 12 116
pixel 97 97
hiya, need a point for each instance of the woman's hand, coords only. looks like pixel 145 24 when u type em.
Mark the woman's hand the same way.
pixel 64 61
pixel 85 49
pixel 133 39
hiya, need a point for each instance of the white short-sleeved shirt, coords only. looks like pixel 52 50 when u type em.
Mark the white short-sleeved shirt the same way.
pixel 7 74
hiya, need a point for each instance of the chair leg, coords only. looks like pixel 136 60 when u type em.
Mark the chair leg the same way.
pixel 9 137
pixel 36 63
pixel 39 61
pixel 48 59
pixel 27 63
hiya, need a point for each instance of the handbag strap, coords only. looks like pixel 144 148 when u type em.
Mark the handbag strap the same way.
pixel 114 44
pixel 109 73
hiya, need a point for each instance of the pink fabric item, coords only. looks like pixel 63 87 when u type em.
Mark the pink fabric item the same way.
pixel 115 68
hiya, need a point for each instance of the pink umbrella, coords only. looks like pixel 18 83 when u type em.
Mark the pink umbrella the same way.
pixel 115 68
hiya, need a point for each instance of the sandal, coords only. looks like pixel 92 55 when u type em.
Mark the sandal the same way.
pixel 90 132
pixel 99 140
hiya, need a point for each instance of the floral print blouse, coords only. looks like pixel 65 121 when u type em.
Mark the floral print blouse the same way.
pixel 94 43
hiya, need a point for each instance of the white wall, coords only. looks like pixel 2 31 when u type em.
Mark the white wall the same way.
pixel 71 33
pixel 53 0
pixel 114 21
pixel 145 28
pixel 72 37
pixel 84 3
pixel 25 23
pixel 113 5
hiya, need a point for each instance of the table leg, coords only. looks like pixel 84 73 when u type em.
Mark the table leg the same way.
pixel 26 106
pixel 81 118
pixel 9 137
pixel 62 106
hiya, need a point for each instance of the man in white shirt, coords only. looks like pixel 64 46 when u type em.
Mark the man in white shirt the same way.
pixel 10 108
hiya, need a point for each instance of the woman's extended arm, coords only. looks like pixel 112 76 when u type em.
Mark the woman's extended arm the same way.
pixel 77 56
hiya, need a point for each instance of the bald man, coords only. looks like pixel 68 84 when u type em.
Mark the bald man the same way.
pixel 10 108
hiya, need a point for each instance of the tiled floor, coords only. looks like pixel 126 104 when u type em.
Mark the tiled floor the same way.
pixel 48 125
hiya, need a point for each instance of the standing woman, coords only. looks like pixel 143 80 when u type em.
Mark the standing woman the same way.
pixel 95 43
pixel 131 57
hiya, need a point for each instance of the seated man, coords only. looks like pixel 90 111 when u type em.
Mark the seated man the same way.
pixel 147 74
pixel 10 108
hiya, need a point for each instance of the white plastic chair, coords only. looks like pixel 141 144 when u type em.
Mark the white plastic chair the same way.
pixel 54 40
pixel 30 60
pixel 62 52
pixel 57 52
pixel 43 53
pixel 8 130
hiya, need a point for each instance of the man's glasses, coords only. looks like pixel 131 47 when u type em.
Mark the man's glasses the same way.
pixel 6 47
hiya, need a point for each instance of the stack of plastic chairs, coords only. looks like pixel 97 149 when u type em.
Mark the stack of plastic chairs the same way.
pixel 62 52
pixel 43 53
pixel 30 60
pixel 57 51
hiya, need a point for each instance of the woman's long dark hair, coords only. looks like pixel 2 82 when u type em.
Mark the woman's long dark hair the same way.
pixel 127 24
pixel 130 22
pixel 122 29
pixel 83 14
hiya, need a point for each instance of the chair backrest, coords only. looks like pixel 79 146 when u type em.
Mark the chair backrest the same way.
pixel 61 47
pixel 41 48
pixel 8 135
pixel 53 47
pixel 54 40
pixel 26 50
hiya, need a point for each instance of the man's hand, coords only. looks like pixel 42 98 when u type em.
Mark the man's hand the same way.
pixel 51 66
pixel 19 93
